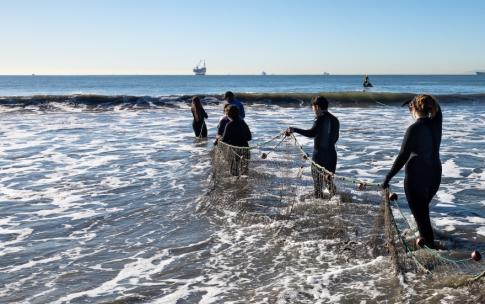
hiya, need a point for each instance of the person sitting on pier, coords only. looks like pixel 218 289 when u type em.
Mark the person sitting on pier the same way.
pixel 325 131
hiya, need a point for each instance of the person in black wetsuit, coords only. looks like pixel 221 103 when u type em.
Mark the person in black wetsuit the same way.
pixel 229 98
pixel 420 151
pixel 367 83
pixel 221 127
pixel 237 134
pixel 199 114
pixel 325 130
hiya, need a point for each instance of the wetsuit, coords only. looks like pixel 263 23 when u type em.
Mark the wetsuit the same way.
pixel 325 131
pixel 420 152
pixel 240 107
pixel 237 133
pixel 200 129
pixel 221 127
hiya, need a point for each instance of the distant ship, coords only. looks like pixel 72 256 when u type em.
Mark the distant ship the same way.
pixel 199 69
pixel 326 73
pixel 480 73
pixel 263 73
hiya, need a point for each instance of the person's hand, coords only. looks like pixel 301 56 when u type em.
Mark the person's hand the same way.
pixel 216 141
pixel 288 131
pixel 385 184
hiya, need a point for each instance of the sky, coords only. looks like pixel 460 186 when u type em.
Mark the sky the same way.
pixel 241 36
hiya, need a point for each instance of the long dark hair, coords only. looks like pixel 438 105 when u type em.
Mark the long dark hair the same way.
pixel 197 108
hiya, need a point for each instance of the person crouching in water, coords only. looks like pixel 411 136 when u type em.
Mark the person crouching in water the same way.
pixel 420 151
pixel 199 114
pixel 237 133
pixel 325 131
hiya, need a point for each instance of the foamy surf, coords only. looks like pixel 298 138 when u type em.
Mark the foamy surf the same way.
pixel 107 206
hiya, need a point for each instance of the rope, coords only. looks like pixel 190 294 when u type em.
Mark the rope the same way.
pixel 429 250
pixel 201 129
pixel 361 183
pixel 253 146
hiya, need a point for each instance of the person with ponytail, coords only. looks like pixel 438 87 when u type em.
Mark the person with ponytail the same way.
pixel 420 153
pixel 199 114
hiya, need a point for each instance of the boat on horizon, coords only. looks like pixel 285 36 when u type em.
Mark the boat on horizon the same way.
pixel 263 73
pixel 200 70
pixel 480 73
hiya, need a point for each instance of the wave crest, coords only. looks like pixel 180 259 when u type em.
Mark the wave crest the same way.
pixel 107 102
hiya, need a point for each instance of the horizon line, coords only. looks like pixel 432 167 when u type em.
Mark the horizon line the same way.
pixel 338 74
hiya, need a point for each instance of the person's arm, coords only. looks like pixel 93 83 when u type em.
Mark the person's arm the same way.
pixel 227 135
pixel 402 157
pixel 438 117
pixel 312 132
pixel 248 131
pixel 205 113
pixel 241 110
pixel 336 131
pixel 222 126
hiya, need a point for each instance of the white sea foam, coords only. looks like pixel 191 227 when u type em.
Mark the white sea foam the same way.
pixel 116 192
pixel 450 169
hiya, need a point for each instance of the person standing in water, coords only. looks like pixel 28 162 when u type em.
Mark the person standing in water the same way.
pixel 237 133
pixel 420 151
pixel 199 114
pixel 221 127
pixel 230 99
pixel 325 131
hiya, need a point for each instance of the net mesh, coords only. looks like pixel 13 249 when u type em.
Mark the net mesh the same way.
pixel 276 181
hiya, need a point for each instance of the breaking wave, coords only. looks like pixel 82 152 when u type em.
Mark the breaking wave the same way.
pixel 107 102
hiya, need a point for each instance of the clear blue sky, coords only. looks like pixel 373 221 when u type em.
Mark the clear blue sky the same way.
pixel 241 36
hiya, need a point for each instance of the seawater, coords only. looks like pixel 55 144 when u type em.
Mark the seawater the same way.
pixel 178 85
pixel 103 205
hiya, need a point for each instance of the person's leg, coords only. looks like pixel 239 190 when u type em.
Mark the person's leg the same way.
pixel 418 197
pixel 204 130
pixel 329 162
pixel 245 161
pixel 196 129
pixel 318 181
pixel 329 184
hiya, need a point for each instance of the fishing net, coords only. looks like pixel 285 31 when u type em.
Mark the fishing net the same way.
pixel 275 183
pixel 450 261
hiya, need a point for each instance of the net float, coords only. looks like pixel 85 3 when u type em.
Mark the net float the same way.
pixel 264 155
pixel 420 242
pixel 476 256
pixel 393 196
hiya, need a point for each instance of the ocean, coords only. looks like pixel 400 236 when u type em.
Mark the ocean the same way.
pixel 104 190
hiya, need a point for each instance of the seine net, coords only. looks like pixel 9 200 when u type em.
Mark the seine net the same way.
pixel 276 181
